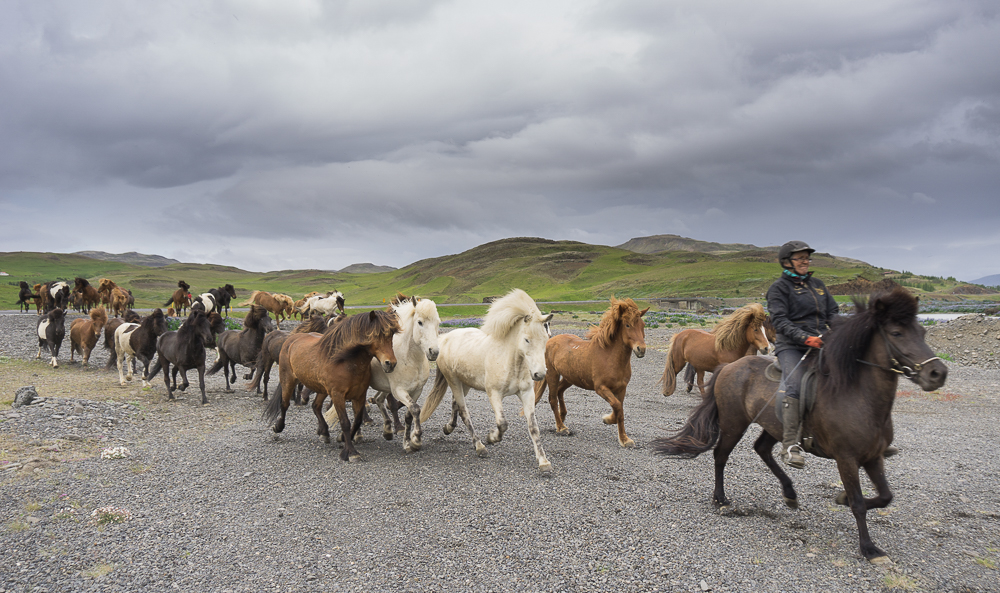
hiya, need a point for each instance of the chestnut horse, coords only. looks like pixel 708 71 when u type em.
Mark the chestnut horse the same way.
pixel 181 298
pixel 88 296
pixel 115 298
pixel 83 333
pixel 601 362
pixel 851 420
pixel 729 341
pixel 281 305
pixel 335 363
pixel 690 372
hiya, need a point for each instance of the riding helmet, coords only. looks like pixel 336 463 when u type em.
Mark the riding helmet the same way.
pixel 791 247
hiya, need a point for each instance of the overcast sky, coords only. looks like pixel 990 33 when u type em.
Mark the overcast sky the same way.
pixel 304 134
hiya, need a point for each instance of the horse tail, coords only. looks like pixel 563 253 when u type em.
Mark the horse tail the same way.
pixel 434 397
pixel 219 363
pixel 669 378
pixel 272 410
pixel 168 303
pixel 700 432
pixel 539 390
pixel 250 299
pixel 155 368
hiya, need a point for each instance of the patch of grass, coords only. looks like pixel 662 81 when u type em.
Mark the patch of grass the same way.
pixel 945 356
pixel 987 562
pixel 97 571
pixel 894 580
pixel 31 507
pixel 17 526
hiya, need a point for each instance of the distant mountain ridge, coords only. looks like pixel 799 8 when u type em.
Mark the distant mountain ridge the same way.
pixel 993 280
pixel 132 257
pixel 365 268
pixel 660 243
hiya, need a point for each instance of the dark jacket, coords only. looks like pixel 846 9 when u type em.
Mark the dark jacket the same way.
pixel 799 308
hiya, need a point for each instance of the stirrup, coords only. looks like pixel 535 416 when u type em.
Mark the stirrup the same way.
pixel 793 457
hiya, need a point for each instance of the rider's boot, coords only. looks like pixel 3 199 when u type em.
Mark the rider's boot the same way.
pixel 791 453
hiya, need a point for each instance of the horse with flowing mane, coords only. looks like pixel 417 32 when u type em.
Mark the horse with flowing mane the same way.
pixel 83 333
pixel 280 305
pixel 87 294
pixel 704 351
pixel 335 364
pixel 185 349
pixel 114 298
pixel 181 299
pixel 503 358
pixel 851 421
pixel 601 362
pixel 270 349
pixel 327 304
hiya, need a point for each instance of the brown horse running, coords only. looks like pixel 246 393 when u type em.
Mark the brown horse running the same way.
pixel 851 421
pixel 270 349
pixel 181 299
pixel 729 341
pixel 336 363
pixel 601 362
pixel 87 294
pixel 83 333
pixel 281 305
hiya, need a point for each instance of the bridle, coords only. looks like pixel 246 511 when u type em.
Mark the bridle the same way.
pixel 907 367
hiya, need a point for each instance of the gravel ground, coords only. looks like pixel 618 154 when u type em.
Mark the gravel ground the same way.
pixel 218 504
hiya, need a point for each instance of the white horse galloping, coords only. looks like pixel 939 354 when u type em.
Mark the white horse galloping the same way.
pixel 414 347
pixel 503 358
pixel 328 304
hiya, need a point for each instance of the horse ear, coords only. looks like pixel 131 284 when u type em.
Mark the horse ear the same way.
pixel 643 312
pixel 413 299
pixel 527 319
pixel 548 318
pixel 372 316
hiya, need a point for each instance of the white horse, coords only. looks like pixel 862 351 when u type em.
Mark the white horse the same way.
pixel 328 305
pixel 414 347
pixel 503 358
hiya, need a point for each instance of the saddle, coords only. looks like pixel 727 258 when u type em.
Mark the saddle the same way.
pixel 807 399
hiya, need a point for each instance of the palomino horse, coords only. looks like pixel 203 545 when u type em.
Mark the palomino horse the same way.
pixel 185 349
pixel 24 295
pixel 602 363
pixel 138 341
pixel 276 303
pixel 690 372
pixel 83 333
pixel 181 299
pixel 729 341
pixel 242 347
pixel 51 330
pixel 270 349
pixel 414 346
pixel 335 363
pixel 87 294
pixel 503 358
pixel 851 421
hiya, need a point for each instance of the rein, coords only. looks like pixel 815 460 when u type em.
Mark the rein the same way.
pixel 908 370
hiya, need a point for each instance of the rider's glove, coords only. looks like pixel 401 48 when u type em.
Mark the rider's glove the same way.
pixel 814 342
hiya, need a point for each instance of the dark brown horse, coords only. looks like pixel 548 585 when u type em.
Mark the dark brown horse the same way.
pixel 83 333
pixel 181 299
pixel 185 349
pixel 851 422
pixel 602 363
pixel 25 295
pixel 270 350
pixel 729 341
pixel 242 347
pixel 87 294
pixel 335 364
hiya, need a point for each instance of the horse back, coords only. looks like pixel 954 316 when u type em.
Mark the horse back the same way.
pixel 583 364
pixel 463 355
pixel 744 394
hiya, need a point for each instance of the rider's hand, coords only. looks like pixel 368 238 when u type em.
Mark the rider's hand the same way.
pixel 814 342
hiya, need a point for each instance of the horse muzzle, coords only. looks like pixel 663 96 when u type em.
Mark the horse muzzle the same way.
pixel 432 354
pixel 931 376
pixel 536 376
pixel 639 351
pixel 389 365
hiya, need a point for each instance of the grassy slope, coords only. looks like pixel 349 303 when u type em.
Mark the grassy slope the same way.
pixel 548 270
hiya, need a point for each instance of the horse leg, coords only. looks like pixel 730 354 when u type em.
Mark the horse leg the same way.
pixel 322 428
pixel 496 402
pixel 201 383
pixel 413 432
pixel 701 382
pixel 727 442
pixel 617 415
pixel 458 407
pixel 394 407
pixel 557 386
pixel 166 378
pixel 859 507
pixel 123 363
pixel 876 472
pixel 764 446
pixel 528 405
pixel 379 400
pixel 145 371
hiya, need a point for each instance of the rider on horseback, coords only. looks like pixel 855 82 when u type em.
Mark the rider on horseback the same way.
pixel 801 309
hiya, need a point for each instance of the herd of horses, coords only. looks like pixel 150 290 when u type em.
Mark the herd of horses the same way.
pixel 339 357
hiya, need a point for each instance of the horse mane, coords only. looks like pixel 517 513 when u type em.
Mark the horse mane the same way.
pixel 505 313
pixel 849 337
pixel 189 326
pixel 315 323
pixel 81 283
pixel 342 340
pixel 99 316
pixel 154 319
pixel 620 311
pixel 254 317
pixel 183 285
pixel 215 320
pixel 731 331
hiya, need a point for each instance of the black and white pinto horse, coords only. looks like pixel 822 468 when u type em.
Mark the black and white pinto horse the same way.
pixel 216 299
pixel 138 341
pixel 51 330
pixel 25 297
pixel 55 295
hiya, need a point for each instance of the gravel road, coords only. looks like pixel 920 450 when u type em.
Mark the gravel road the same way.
pixel 218 504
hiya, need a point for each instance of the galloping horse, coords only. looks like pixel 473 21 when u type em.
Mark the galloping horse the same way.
pixel 278 304
pixel 242 347
pixel 704 351
pixel 185 348
pixel 270 349
pixel 88 295
pixel 83 333
pixel 503 358
pixel 851 421
pixel 181 299
pixel 24 295
pixel 414 346
pixel 602 362
pixel 55 295
pixel 336 363
pixel 223 296
pixel 109 335
pixel 51 330
pixel 138 341
pixel 115 298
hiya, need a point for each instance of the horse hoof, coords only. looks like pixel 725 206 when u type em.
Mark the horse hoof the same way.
pixel 880 560
pixel 480 449
pixel 388 435
pixel 609 419
pixel 354 458
pixel 792 503
pixel 447 428
pixel 229 391
pixel 842 499
pixel 564 432
pixel 545 468
pixel 629 443
pixel 721 506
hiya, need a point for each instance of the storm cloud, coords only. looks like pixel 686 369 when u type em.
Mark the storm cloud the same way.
pixel 308 134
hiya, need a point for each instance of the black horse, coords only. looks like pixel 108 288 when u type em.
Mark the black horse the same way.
pixel 185 349
pixel 51 330
pixel 223 296
pixel 25 295
pixel 851 421
pixel 242 346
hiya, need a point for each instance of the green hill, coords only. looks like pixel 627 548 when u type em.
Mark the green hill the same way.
pixel 548 270
pixel 661 243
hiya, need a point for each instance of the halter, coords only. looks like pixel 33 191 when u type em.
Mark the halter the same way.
pixel 908 370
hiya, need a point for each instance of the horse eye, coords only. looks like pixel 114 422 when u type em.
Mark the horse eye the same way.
pixel 420 323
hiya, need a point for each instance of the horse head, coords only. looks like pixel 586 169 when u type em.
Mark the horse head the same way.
pixel 419 320
pixel 531 344
pixel 384 327
pixel 98 318
pixel 756 329
pixel 632 326
pixel 904 349
pixel 157 322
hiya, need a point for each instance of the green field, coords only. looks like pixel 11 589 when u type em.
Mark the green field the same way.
pixel 547 270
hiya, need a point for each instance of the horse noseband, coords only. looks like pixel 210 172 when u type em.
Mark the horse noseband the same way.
pixel 908 370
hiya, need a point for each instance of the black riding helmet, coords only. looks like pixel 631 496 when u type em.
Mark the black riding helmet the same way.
pixel 786 251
